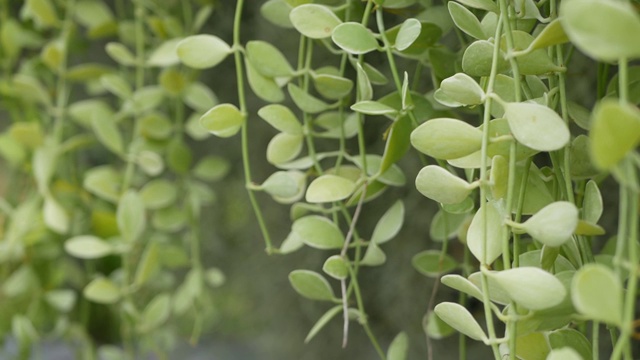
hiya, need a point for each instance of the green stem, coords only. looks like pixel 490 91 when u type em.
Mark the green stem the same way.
pixel 61 102
pixel 364 321
pixel 483 188
pixel 244 130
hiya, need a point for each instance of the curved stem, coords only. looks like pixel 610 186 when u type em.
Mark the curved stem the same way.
pixel 244 130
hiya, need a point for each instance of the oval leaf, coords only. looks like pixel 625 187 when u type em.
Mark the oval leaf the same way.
pixel 554 224
pixel 446 138
pixel 440 185
pixel 202 51
pixel 460 319
pixel 531 287
pixel 87 247
pixel 354 38
pixel 329 188
pixel 224 120
pixel 314 21
pixel 486 250
pixel 102 291
pixel 615 131
pixel 537 126
pixel 318 232
pixel 311 285
pixel 597 293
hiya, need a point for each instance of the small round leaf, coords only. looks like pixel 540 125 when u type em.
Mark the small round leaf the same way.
pixel 440 185
pixel 202 51
pixel 311 285
pixel 224 120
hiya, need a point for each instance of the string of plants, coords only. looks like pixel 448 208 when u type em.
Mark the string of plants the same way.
pixel 481 93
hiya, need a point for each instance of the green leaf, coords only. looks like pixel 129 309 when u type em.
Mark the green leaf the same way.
pixel 87 247
pixel 435 328
pixel 199 97
pixel 336 267
pixel 314 21
pixel 165 54
pixel 318 232
pixel 211 168
pixel 329 188
pixel 202 51
pixel 281 118
pixel 398 143
pixel 592 205
pixel 43 12
pixel 322 322
pixel 331 86
pixel 477 58
pixel 554 224
pixel 408 33
pixel 552 34
pixel 615 131
pixel 565 353
pixel 150 162
pixel 306 102
pixel 23 330
pixel 107 131
pixel 156 313
pixel 154 125
pixel 264 87
pixel 61 300
pixel 487 5
pixel 284 185
pixel 54 216
pixel 597 293
pixel 537 126
pixel 291 243
pixel 268 60
pixel 102 290
pixel 459 90
pixel 461 284
pixel 531 287
pixel 445 225
pixel 224 120
pixel 572 339
pixel 442 186
pixel 369 107
pixel 389 224
pixel 311 285
pixel 446 138
pixel 399 347
pixel 120 54
pixel 277 12
pixel 283 148
pixel 179 157
pixel 354 38
pixel 460 319
pixel 131 216
pixel 604 30
pixel 365 89
pixel 433 263
pixel 104 182
pixel 149 263
pixel 158 193
pixel 486 250
pixel 116 85
pixel 169 219
pixel 466 21
pixel 536 62
pixel 21 281
pixel 374 256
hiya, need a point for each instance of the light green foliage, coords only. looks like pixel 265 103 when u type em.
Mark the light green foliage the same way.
pixel 475 100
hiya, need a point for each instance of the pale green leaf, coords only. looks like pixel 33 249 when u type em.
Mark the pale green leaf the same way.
pixel 311 285
pixel 155 313
pixel 374 256
pixel 267 59
pixel 369 107
pixel 165 55
pixel 531 287
pixel 314 21
pixel 440 185
pixel 329 188
pixel 389 224
pixel 399 347
pixel 102 290
pixel 460 319
pixel 433 263
pixel 131 216
pixel 306 102
pixel 554 224
pixel 283 148
pixel 322 322
pixel 281 118
pixel 446 138
pixel 615 131
pixel 597 293
pixel 224 120
pixel 55 216
pixel 604 30
pixel 336 267
pixel 537 126
pixel 486 250
pixel 87 247
pixel 202 51
pixel 120 54
pixel 318 232
pixel 408 33
pixel 466 21
pixel 460 90
pixel 354 38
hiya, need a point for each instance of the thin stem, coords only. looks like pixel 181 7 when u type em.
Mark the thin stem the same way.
pixel 244 130
pixel 61 102
pixel 483 188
